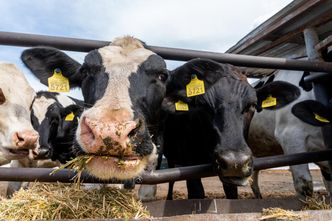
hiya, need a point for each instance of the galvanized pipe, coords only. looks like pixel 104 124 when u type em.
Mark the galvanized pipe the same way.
pixel 83 45
pixel 315 77
pixel 320 88
pixel 161 176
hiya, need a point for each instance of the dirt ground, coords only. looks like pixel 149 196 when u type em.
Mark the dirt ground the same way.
pixel 273 183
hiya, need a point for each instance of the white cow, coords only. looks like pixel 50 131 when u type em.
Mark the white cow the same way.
pixel 17 136
pixel 273 131
pixel 18 139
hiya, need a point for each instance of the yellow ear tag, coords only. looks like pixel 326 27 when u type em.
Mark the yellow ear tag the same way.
pixel 58 83
pixel 195 87
pixel 321 119
pixel 70 117
pixel 181 106
pixel 269 102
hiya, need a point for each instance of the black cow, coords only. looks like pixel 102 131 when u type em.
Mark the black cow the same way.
pixel 125 84
pixel 214 129
pixel 55 117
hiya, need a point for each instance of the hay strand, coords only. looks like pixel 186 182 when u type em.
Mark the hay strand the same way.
pixel 317 202
pixel 64 201
pixel 278 213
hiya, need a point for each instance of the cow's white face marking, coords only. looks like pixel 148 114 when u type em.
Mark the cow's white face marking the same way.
pixel 40 106
pixel 15 111
pixel 64 100
pixel 121 59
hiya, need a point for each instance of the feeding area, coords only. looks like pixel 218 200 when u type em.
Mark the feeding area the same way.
pixel 197 142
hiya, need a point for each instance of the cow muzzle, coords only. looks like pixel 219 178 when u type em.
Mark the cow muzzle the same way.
pixel 234 167
pixel 107 138
pixel 113 147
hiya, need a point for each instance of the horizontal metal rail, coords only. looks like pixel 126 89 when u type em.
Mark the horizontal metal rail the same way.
pixel 161 176
pixel 84 45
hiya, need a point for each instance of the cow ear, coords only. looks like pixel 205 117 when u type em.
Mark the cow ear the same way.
pixel 2 97
pixel 73 108
pixel 42 61
pixel 312 112
pixel 276 94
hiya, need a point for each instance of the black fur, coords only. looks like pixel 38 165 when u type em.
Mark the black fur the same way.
pixel 147 86
pixel 56 134
pixel 217 122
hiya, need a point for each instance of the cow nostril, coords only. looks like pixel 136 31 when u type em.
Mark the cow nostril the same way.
pixel 19 137
pixel 26 139
pixel 222 162
pixel 86 129
pixel 135 130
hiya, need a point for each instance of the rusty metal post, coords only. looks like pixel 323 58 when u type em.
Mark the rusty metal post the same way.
pixel 320 87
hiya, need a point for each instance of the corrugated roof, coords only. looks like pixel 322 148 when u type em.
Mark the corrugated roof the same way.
pixel 282 34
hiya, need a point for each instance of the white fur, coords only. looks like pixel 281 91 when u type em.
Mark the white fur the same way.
pixel 281 127
pixel 15 112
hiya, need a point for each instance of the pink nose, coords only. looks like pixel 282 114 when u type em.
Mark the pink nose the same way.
pixel 25 139
pixel 96 135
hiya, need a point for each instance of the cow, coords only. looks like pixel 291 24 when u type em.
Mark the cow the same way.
pixel 125 84
pixel 280 132
pixel 55 117
pixel 18 139
pixel 213 126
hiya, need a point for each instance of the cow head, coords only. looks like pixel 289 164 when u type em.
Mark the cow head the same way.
pixel 313 113
pixel 55 117
pixel 17 137
pixel 230 102
pixel 124 83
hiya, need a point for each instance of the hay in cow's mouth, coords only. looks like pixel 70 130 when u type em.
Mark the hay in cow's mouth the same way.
pixel 81 162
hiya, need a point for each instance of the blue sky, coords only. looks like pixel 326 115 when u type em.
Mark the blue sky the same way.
pixel 212 25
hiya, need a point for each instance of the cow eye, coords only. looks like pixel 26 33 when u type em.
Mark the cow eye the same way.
pixel 162 77
pixel 249 107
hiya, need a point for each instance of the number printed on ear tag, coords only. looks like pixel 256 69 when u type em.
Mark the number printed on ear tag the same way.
pixel 70 117
pixel 321 119
pixel 58 82
pixel 181 106
pixel 269 102
pixel 195 87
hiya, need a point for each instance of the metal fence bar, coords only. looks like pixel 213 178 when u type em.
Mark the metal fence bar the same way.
pixel 161 176
pixel 83 45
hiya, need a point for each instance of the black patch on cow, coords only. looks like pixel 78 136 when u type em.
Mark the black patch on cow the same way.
pixel 306 110
pixel 96 79
pixel 307 86
pixel 2 97
pixel 147 90
pixel 43 60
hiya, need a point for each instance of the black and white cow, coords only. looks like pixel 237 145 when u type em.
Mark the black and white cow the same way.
pixel 55 117
pixel 125 84
pixel 214 129
pixel 280 132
